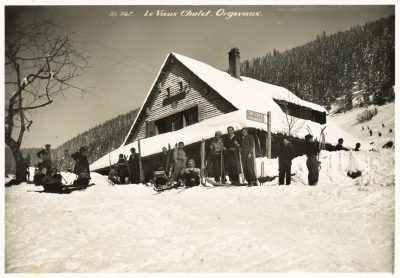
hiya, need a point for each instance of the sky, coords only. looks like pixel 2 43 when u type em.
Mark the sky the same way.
pixel 126 51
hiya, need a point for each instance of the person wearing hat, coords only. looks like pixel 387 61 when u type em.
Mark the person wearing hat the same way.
pixel 82 163
pixel 312 150
pixel 285 162
pixel 45 155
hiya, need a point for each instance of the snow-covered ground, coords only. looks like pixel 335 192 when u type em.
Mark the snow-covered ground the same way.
pixel 341 225
pixel 386 115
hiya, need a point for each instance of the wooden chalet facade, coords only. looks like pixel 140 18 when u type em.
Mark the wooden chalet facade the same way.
pixel 187 94
pixel 178 99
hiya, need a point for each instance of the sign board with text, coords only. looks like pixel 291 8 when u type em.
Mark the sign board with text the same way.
pixel 255 116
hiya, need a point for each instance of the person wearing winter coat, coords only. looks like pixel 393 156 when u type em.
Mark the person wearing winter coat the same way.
pixel 246 152
pixel 311 149
pixel 134 167
pixel 82 163
pixel 285 162
pixel 45 155
pixel 358 146
pixel 179 159
pixel 217 160
pixel 122 169
pixel 231 156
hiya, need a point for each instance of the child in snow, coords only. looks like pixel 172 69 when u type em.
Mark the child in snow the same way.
pixel 191 175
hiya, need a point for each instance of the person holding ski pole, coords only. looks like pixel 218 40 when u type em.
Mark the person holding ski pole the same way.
pixel 248 160
pixel 217 157
pixel 312 150
pixel 231 161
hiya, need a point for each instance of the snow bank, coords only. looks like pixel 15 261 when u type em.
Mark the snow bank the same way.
pixel 337 226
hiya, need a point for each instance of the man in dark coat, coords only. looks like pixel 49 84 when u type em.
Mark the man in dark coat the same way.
pixel 45 155
pixel 246 152
pixel 122 169
pixel 312 150
pixel 285 162
pixel 133 164
pixel 339 146
pixel 82 163
pixel 231 157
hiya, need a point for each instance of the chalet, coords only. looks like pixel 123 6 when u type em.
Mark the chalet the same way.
pixel 190 100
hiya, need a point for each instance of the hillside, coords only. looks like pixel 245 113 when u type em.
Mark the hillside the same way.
pixel 99 140
pixel 386 115
pixel 326 68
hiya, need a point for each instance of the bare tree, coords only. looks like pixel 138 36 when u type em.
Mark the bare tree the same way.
pixel 292 124
pixel 41 63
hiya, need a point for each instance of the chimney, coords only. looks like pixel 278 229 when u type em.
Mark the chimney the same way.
pixel 234 63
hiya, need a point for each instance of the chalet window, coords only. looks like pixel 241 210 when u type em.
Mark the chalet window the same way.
pixel 168 92
pixel 177 121
pixel 180 85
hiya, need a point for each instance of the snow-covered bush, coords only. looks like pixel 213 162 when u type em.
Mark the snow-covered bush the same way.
pixel 367 114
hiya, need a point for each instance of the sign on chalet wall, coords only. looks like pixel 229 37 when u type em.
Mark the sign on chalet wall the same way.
pixel 255 116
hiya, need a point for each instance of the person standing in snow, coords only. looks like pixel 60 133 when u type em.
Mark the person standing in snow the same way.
pixel 217 151
pixel 285 162
pixel 45 155
pixel 179 159
pixel 133 164
pixel 81 168
pixel 231 156
pixel 122 169
pixel 358 145
pixel 246 152
pixel 312 150
pixel 82 163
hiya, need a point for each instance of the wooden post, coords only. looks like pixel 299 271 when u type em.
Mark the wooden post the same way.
pixel 269 134
pixel 141 176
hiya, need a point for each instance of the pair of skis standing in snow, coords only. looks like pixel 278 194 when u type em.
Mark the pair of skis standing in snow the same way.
pixel 238 159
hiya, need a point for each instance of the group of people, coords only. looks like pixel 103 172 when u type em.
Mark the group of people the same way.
pixel 226 157
pixel 49 177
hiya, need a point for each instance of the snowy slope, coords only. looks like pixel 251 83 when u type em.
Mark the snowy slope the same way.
pixel 340 225
pixel 386 114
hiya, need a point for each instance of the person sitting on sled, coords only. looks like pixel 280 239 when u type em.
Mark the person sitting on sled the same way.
pixel 160 177
pixel 191 175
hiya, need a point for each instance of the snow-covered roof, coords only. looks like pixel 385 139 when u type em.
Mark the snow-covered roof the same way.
pixel 247 93
pixel 206 129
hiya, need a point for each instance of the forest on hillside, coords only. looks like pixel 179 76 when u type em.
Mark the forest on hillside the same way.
pixel 99 140
pixel 326 68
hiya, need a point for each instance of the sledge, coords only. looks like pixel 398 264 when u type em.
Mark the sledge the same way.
pixel 60 188
pixel 216 184
pixel 167 187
